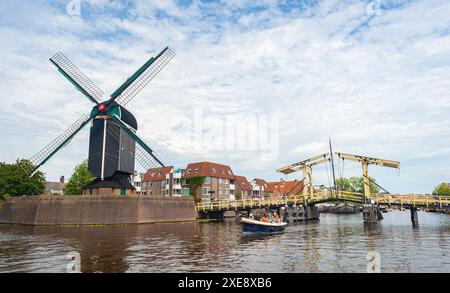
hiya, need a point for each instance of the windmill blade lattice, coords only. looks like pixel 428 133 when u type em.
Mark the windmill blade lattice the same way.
pixel 146 160
pixel 80 79
pixel 144 78
pixel 46 153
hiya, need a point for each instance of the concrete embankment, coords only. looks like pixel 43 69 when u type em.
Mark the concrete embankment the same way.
pixel 96 210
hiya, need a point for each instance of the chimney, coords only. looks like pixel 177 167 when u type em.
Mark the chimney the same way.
pixel 61 179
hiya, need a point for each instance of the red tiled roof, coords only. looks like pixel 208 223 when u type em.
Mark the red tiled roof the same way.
pixel 210 169
pixel 242 182
pixel 261 182
pixel 157 174
pixel 286 187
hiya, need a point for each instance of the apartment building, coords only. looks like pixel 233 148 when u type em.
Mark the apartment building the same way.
pixel 260 188
pixel 243 187
pixel 219 183
pixel 174 184
pixel 285 188
pixel 154 181
pixel 136 180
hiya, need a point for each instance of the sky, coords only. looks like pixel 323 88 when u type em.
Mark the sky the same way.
pixel 256 85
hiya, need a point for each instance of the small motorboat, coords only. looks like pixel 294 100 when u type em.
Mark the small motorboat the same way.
pixel 345 209
pixel 259 227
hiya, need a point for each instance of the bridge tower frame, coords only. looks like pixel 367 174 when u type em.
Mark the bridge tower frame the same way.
pixel 365 162
pixel 306 167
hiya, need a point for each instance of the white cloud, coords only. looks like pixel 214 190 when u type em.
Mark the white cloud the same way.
pixel 376 85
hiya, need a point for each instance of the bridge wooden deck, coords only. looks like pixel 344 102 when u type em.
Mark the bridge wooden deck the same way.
pixel 405 200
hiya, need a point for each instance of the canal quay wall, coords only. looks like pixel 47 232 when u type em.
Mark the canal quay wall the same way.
pixel 96 210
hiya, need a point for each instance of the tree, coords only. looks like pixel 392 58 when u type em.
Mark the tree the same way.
pixel 80 178
pixel 442 189
pixel 15 181
pixel 356 184
pixel 238 195
pixel 194 184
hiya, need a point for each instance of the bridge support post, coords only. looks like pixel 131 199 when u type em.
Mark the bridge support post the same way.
pixel 311 213
pixel 414 216
pixel 372 213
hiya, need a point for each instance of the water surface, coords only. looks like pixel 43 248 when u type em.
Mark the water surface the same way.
pixel 336 243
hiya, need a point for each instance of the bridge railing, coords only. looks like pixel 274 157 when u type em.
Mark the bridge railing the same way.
pixel 384 199
pixel 413 200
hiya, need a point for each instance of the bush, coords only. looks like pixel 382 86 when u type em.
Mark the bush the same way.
pixel 442 189
pixel 80 178
pixel 15 181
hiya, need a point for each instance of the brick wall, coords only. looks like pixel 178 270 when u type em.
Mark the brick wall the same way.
pixel 101 210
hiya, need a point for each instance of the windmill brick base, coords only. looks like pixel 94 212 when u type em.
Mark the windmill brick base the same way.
pixel 118 184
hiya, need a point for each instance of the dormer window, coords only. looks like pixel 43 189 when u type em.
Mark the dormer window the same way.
pixel 189 170
pixel 222 171
pixel 196 170
pixel 213 170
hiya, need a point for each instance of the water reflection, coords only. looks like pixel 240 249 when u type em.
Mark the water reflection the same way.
pixel 336 243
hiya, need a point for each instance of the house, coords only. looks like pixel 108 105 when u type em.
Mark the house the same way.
pixel 55 188
pixel 218 182
pixel 154 181
pixel 285 188
pixel 243 187
pixel 260 188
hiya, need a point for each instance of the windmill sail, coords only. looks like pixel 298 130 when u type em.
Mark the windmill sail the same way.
pixel 77 78
pixel 142 77
pixel 53 147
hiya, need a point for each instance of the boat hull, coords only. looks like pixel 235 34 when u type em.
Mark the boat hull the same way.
pixel 256 227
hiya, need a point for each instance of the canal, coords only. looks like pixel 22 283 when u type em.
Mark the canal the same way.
pixel 336 243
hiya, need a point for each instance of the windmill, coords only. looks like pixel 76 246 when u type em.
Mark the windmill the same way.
pixel 113 143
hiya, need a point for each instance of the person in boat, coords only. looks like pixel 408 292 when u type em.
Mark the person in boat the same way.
pixel 265 219
pixel 276 218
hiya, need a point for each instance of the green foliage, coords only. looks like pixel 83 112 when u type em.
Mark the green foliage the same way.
pixel 194 184
pixel 79 179
pixel 238 195
pixel 356 184
pixel 14 180
pixel 442 189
